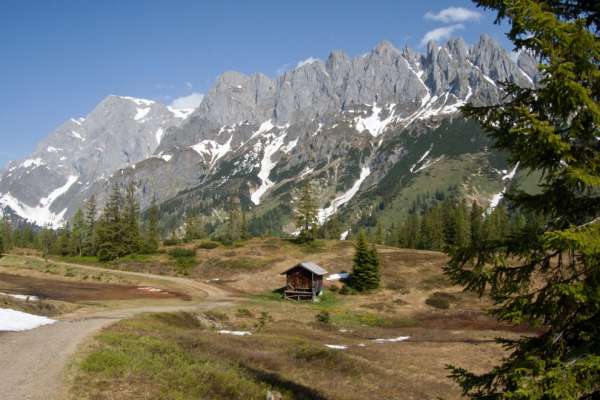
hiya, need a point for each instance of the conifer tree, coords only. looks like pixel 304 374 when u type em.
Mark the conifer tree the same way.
pixel 2 249
pixel 152 232
pixel 131 220
pixel 6 234
pixel 77 234
pixel 306 214
pixel 111 230
pixel 46 241
pixel 365 268
pixel 89 241
pixel 547 274
pixel 63 243
pixel 476 218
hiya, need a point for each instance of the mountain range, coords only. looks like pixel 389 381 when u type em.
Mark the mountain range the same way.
pixel 372 133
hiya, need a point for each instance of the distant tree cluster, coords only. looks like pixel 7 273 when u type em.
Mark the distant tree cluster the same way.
pixel 117 232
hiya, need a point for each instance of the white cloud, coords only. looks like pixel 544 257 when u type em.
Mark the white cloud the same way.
pixel 442 33
pixel 186 102
pixel 309 60
pixel 453 14
pixel 189 85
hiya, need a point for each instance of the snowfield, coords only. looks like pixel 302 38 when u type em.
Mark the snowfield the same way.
pixel 17 321
pixel 326 213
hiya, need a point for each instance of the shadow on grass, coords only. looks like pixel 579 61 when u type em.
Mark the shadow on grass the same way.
pixel 299 392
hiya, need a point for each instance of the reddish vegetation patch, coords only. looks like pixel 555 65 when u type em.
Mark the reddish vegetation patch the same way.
pixel 78 291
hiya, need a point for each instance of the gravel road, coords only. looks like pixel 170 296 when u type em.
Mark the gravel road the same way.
pixel 32 363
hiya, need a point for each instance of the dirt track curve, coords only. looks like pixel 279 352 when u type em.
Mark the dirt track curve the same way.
pixel 32 363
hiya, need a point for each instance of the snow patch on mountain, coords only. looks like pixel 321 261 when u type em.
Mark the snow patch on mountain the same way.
pixel 412 168
pixel 41 214
pixel 139 102
pixel 159 135
pixel 141 113
pixel 495 200
pixel 326 213
pixel 181 113
pixel 266 166
pixel 37 162
pixel 373 123
pixel 212 149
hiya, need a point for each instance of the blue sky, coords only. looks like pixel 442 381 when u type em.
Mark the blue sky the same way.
pixel 59 58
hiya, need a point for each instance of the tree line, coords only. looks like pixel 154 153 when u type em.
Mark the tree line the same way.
pixel 115 232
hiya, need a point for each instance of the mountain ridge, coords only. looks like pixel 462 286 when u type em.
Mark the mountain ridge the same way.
pixel 251 133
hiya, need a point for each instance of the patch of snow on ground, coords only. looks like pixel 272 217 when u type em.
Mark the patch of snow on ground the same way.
pixel 344 235
pixel 150 289
pixel 266 166
pixel 325 213
pixel 373 123
pixel 392 340
pixel 235 333
pixel 17 321
pixel 20 296
pixel 338 276
pixel 336 346
pixel 141 113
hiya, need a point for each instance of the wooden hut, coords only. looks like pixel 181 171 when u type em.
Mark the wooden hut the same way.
pixel 304 281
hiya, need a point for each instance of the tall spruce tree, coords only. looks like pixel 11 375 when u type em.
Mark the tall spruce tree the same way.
pixel 545 275
pixel 89 241
pixel 111 230
pixel 306 214
pixel 476 219
pixel 365 268
pixel 77 234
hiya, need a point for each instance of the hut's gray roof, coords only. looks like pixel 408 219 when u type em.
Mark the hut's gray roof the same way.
pixel 311 266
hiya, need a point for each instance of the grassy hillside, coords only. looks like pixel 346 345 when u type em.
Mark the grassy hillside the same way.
pixel 342 347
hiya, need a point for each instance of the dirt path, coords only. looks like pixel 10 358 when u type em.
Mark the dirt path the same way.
pixel 32 363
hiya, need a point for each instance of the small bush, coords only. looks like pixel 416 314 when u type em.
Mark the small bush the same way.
pixel 181 252
pixel 207 245
pixel 323 317
pixel 347 290
pixel 334 288
pixel 171 242
pixel 441 300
